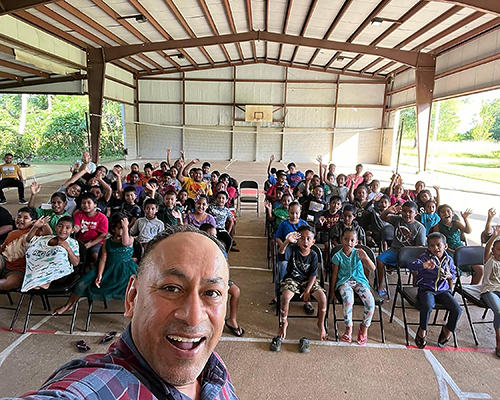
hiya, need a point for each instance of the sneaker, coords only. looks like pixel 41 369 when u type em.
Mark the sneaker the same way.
pixel 3 201
pixel 22 201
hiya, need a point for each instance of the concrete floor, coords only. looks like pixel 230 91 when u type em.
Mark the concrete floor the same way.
pixel 331 370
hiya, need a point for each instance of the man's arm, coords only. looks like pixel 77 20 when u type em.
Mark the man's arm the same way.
pixel 76 176
pixel 20 174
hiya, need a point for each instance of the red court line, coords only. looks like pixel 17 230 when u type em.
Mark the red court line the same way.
pixel 451 348
pixel 18 330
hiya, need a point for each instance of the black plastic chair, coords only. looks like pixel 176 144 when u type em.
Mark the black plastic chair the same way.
pixel 59 288
pixel 226 239
pixel 246 198
pixel 470 255
pixel 379 301
pixel 410 293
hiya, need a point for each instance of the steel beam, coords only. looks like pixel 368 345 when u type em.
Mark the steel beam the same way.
pixel 424 77
pixel 96 68
pixel 410 58
pixel 10 6
pixel 485 6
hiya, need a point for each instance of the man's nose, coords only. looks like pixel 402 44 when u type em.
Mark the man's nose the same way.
pixel 192 310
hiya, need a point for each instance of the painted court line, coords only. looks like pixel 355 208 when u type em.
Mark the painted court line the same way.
pixel 6 352
pixel 251 268
pixel 231 163
pixel 250 237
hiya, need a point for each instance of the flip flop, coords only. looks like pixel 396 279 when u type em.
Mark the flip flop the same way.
pixel 108 337
pixel 304 345
pixel 441 340
pixel 309 308
pixel 272 302
pixel 276 344
pixel 238 331
pixel 82 346
pixel 420 341
pixel 362 339
pixel 346 338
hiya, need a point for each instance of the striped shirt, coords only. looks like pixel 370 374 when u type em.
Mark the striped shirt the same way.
pixel 122 373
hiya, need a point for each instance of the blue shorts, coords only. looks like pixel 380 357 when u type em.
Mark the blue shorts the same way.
pixel 389 257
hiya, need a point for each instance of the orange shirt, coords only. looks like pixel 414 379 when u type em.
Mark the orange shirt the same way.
pixel 14 250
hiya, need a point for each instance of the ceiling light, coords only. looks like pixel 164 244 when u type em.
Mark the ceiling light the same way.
pixel 138 17
pixel 376 21
pixel 340 58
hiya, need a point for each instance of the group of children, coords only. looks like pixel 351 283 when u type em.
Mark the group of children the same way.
pixel 110 218
pixel 349 210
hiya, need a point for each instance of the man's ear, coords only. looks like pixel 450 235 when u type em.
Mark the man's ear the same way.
pixel 130 296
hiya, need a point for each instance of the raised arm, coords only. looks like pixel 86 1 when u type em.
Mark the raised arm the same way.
pixel 37 228
pixel 35 189
pixel 491 214
pixel 168 158
pixel 393 183
pixel 127 240
pixel 292 238
pixel 77 176
pixel 351 194
pixel 271 159
pixel 465 215
pixel 489 243
pixel 438 195
pixel 106 187
pixel 386 214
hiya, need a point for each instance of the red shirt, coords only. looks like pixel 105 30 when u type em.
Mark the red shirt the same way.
pixel 90 227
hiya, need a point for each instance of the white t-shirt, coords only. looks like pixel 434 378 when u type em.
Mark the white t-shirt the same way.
pixel 491 278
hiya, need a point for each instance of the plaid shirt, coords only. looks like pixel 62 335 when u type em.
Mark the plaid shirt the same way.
pixel 122 373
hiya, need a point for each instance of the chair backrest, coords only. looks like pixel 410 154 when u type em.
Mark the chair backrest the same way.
pixel 369 252
pixel 469 255
pixel 80 268
pixel 387 233
pixel 138 250
pixel 409 254
pixel 226 239
pixel 247 184
pixel 321 266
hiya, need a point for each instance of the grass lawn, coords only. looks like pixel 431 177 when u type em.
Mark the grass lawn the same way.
pixel 469 159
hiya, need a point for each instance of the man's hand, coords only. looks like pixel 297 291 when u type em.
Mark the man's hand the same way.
pixel 35 188
pixel 429 264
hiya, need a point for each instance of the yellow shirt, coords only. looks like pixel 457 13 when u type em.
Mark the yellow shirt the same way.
pixel 192 187
pixel 9 171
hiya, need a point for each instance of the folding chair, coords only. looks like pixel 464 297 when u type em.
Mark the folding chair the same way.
pixel 226 239
pixel 410 293
pixel 470 255
pixel 59 288
pixel 379 301
pixel 248 198
pixel 138 251
pixel 296 297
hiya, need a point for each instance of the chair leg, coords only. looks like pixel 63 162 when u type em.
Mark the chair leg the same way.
pixel 335 325
pixel 105 304
pixel 10 299
pixel 16 314
pixel 387 284
pixel 470 321
pixel 455 340
pixel 435 317
pixel 89 314
pixel 382 331
pixel 73 319
pixel 404 320
pixel 28 313
pixel 48 302
pixel 44 305
pixel 394 305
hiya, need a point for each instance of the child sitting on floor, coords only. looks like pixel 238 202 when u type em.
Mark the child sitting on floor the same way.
pixel 50 257
pixel 300 278
pixel 200 216
pixel 110 279
pixel 348 276
pixel 490 290
pixel 12 258
pixel 429 218
pixel 147 227
pixel 434 271
pixel 348 221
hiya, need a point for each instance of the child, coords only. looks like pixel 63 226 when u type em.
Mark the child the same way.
pixel 147 227
pixel 412 194
pixel 374 191
pixel 359 199
pixel 300 278
pixel 348 277
pixel 291 225
pixel 340 190
pixel 214 179
pixel 205 168
pixel 234 293
pixel 223 217
pixel 314 206
pixel 131 210
pixel 376 223
pixel 91 226
pixel 355 179
pixel 424 196
pixel 396 195
pixel 184 202
pixel 116 202
pixel 486 234
pixel 12 259
pixel 194 186
pixel 170 213
pixel 429 218
pixel 110 279
pixel 271 174
pixel 329 218
pixel 200 216
pixel 407 232
pixel 50 257
pixel 348 221
pixel 271 194
pixel 148 174
pixel 490 290
pixel 434 269
pixel 230 190
pixel 134 167
pixel 151 192
pixel 294 176
pixel 278 214
pixel 58 203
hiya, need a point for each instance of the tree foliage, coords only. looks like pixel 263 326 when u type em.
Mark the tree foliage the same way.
pixel 56 130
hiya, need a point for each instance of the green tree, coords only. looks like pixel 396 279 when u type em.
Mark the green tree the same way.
pixel 483 128
pixel 449 119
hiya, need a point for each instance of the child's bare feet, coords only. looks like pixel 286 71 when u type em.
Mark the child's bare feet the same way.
pixel 322 332
pixel 282 330
pixel 63 309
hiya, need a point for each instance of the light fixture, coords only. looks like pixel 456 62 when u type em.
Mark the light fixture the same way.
pixel 377 21
pixel 139 18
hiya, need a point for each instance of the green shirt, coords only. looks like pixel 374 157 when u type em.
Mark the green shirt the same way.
pixel 54 218
pixel 280 214
pixel 164 214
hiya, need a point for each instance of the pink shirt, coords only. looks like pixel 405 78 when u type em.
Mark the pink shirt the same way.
pixel 90 227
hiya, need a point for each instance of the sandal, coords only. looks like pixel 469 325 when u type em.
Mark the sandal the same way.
pixel 238 331
pixel 108 337
pixel 82 346
pixel 304 345
pixel 309 308
pixel 346 338
pixel 276 344
pixel 420 341
pixel 272 302
pixel 442 340
pixel 361 339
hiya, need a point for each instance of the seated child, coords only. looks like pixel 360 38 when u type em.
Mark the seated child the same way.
pixel 150 192
pixel 271 194
pixel 116 202
pixel 407 232
pixel 6 224
pixel 429 218
pixel 488 231
pixel 134 167
pixel 134 183
pixel 129 208
pixel 355 179
pixel 359 199
pixel 58 203
pixel 375 221
pixel 434 269
pixel 234 293
pixel 412 194
pixel 329 218
pixel 214 179
pixel 294 176
pixel 50 257
pixel 224 219
pixel 147 227
pixel 374 191
pixel 148 174
pixel 347 221
pixel 184 202
pixel 230 190
pixel 348 276
pixel 278 214
pixel 205 168
pixel 200 216
pixel 300 278
pixel 291 225
pixel 341 190
pixel 91 226
pixel 170 213
pixel 110 279
pixel 314 205
pixel 490 289
pixel 452 230
pixel 13 251
pixel 424 196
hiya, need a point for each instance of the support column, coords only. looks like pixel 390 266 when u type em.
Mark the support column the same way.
pixel 96 68
pixel 424 78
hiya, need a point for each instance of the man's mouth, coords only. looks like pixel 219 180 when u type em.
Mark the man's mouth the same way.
pixel 185 343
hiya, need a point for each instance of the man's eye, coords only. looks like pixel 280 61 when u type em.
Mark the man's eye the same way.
pixel 213 293
pixel 172 289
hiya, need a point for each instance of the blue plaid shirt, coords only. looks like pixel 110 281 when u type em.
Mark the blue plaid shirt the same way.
pixel 122 373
